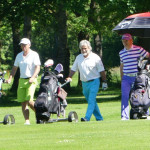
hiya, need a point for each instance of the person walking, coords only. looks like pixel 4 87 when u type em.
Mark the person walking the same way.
pixel 28 62
pixel 129 56
pixel 91 69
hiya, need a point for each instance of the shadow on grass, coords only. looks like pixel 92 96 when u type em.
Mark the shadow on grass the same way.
pixel 8 102
pixel 75 96
pixel 112 94
pixel 9 99
pixel 82 100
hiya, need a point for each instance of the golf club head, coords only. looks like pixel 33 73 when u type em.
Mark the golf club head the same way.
pixel 48 63
pixel 2 73
pixel 60 75
pixel 141 63
pixel 59 68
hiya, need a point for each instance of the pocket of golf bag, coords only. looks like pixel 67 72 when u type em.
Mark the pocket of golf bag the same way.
pixel 54 105
pixel 43 116
pixel 135 98
pixel 140 98
pixel 41 104
pixel 41 108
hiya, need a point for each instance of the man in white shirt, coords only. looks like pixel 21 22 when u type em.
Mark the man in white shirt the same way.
pixel 29 63
pixel 91 69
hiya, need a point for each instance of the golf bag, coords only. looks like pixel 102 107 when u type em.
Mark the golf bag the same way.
pixel 140 92
pixel 50 96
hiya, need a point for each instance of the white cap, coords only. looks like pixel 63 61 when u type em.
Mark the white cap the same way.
pixel 25 41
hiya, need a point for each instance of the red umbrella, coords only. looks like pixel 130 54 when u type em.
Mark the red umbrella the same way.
pixel 136 25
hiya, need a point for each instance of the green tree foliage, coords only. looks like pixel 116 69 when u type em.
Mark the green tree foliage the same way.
pixel 6 52
pixel 57 26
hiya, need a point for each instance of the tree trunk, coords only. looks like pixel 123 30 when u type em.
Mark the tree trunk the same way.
pixel 81 36
pixel 98 44
pixel 16 48
pixel 27 27
pixel 0 52
pixel 63 54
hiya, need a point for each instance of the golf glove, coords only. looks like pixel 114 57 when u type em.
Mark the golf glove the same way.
pixel 104 86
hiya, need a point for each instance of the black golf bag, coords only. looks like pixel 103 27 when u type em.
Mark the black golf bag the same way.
pixel 50 97
pixel 140 92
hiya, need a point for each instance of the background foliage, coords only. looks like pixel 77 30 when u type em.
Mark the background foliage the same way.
pixel 55 28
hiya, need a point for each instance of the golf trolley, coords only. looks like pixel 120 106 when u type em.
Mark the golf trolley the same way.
pixel 140 92
pixel 52 97
pixel 8 119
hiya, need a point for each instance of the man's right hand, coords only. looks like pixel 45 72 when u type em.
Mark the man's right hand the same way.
pixel 8 81
pixel 12 74
pixel 69 79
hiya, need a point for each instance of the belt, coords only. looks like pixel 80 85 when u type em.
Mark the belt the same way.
pixel 26 78
pixel 130 74
pixel 89 80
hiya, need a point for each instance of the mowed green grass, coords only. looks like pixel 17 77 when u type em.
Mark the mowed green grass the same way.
pixel 110 134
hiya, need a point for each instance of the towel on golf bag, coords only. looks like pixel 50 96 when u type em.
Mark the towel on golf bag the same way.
pixel 62 93
pixel 47 101
pixel 140 94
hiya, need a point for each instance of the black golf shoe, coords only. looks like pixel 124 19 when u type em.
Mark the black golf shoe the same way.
pixel 84 119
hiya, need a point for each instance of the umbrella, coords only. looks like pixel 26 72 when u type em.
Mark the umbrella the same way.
pixel 136 25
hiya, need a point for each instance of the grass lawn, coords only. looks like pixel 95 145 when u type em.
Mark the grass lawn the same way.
pixel 110 134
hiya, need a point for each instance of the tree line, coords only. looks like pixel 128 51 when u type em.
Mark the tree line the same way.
pixel 55 28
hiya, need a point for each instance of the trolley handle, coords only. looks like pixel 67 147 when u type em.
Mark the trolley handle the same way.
pixel 64 83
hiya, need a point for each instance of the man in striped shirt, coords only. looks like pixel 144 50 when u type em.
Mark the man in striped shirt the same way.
pixel 128 69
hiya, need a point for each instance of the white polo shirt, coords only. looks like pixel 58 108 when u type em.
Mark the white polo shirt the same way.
pixel 89 67
pixel 27 63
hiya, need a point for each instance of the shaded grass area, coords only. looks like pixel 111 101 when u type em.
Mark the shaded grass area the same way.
pixel 75 96
pixel 110 95
pixel 103 99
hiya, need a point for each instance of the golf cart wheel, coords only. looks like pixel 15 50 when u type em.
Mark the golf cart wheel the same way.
pixel 73 116
pixel 135 116
pixel 131 114
pixel 40 121
pixel 9 119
